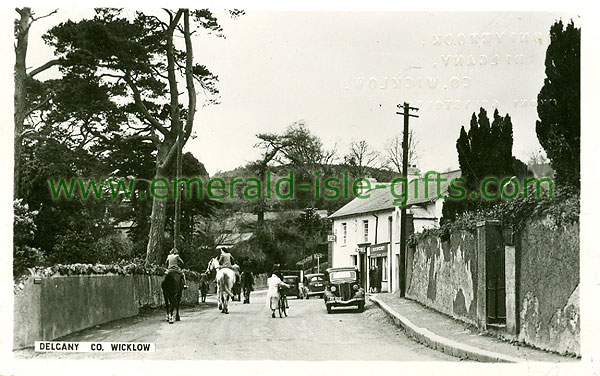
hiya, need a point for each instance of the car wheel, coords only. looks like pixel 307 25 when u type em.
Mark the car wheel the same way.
pixel 361 307
pixel 328 309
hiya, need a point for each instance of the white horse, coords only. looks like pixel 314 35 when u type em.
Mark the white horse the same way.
pixel 225 279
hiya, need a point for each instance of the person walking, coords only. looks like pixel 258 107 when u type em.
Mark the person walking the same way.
pixel 273 284
pixel 377 279
pixel 372 279
pixel 203 287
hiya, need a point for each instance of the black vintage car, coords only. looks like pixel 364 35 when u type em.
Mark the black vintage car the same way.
pixel 314 284
pixel 294 282
pixel 343 289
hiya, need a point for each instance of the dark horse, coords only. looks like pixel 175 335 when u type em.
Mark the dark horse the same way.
pixel 247 285
pixel 172 287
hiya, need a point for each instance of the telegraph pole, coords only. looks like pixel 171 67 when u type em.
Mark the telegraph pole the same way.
pixel 402 266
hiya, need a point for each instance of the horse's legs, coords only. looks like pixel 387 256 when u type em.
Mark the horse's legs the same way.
pixel 226 310
pixel 166 304
pixel 219 298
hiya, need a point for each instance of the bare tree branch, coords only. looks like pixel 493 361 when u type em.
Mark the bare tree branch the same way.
pixel 43 67
pixel 47 15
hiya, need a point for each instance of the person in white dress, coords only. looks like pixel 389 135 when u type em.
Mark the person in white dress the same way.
pixel 273 284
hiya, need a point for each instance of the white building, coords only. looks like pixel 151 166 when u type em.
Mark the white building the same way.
pixel 367 230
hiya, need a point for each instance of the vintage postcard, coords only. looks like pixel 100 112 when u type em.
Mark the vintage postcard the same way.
pixel 302 190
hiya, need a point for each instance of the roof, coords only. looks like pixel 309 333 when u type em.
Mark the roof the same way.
pixel 381 198
pixel 432 190
pixel 235 238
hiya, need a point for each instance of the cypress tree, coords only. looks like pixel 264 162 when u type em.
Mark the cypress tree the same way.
pixel 559 128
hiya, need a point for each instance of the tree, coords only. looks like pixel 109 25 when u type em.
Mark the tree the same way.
pixel 30 95
pixel 393 151
pixel 315 230
pixel 24 255
pixel 66 228
pixel 298 149
pixel 136 64
pixel 486 150
pixel 361 158
pixel 537 157
pixel 558 128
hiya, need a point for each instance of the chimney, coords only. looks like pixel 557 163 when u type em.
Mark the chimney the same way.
pixel 413 171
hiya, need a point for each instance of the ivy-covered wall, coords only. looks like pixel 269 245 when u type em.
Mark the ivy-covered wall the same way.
pixel 443 274
pixel 549 286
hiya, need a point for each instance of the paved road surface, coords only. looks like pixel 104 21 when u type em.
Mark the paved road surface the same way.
pixel 249 333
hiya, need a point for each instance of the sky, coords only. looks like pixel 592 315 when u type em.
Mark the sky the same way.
pixel 344 73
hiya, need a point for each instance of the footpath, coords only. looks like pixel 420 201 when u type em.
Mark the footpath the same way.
pixel 454 337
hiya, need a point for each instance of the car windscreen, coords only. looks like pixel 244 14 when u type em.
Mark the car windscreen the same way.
pixel 292 281
pixel 342 275
pixel 316 278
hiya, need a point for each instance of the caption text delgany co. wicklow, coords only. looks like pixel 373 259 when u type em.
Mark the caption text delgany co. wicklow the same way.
pixel 429 185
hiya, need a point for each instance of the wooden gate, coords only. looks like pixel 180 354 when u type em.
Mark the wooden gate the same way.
pixel 495 282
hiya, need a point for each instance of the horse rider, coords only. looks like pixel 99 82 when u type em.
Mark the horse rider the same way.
pixel 226 259
pixel 175 264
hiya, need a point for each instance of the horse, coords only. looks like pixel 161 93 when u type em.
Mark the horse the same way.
pixel 172 287
pixel 247 285
pixel 225 278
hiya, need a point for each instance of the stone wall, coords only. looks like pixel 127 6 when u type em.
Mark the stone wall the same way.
pixel 443 275
pixel 56 306
pixel 541 281
pixel 27 314
pixel 548 287
pixel 148 291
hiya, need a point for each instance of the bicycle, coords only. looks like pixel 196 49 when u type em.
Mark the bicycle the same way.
pixel 283 303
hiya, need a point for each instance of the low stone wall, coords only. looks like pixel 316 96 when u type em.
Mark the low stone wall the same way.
pixel 548 287
pixel 443 275
pixel 59 305
pixel 27 326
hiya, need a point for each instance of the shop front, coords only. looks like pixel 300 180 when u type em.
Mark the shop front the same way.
pixel 378 256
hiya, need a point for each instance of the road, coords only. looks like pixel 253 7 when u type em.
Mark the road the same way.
pixel 249 333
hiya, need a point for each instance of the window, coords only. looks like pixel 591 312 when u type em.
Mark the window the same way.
pixel 344 233
pixel 366 230
pixel 342 275
pixel 354 260
pixel 384 269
